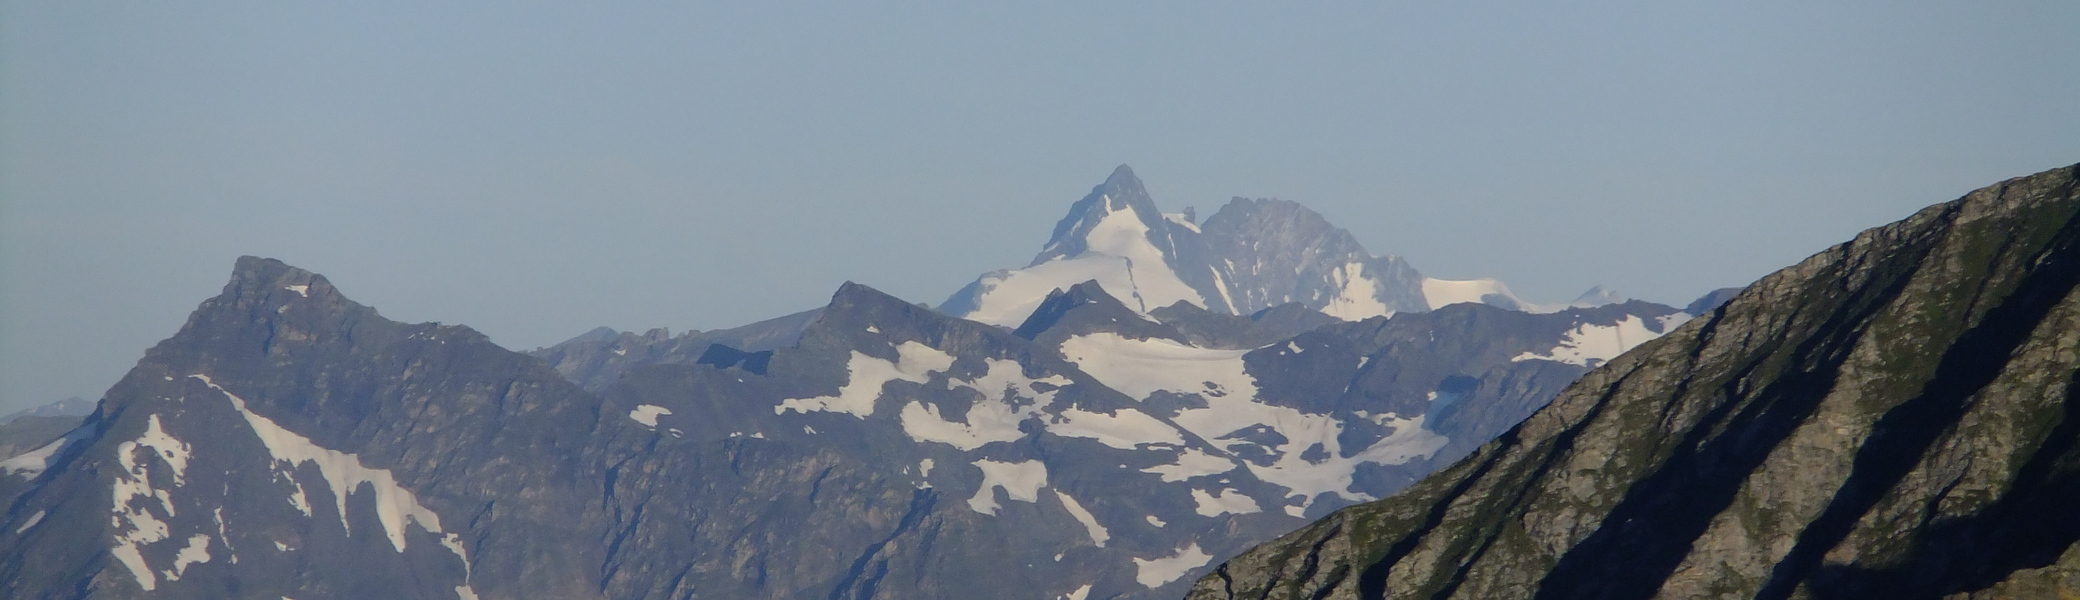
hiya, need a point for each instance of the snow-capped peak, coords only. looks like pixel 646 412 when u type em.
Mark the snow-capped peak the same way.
pixel 1107 238
pixel 1597 296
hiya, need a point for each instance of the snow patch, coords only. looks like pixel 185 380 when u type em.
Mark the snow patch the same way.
pixel 647 414
pixel 1192 462
pixel 1156 572
pixel 1138 368
pixel 1590 345
pixel 33 520
pixel 301 290
pixel 1125 429
pixel 1357 295
pixel 1180 219
pixel 34 462
pixel 218 515
pixel 1142 367
pixel 1021 481
pixel 1007 399
pixel 915 363
pixel 298 499
pixel 1440 293
pixel 1152 520
pixel 135 524
pixel 1221 284
pixel 1227 501
pixel 344 472
pixel 1090 523
pixel 1117 254
pixel 197 551
pixel 1080 593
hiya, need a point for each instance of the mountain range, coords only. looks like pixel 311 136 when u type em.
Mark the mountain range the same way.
pixel 1249 256
pixel 1091 426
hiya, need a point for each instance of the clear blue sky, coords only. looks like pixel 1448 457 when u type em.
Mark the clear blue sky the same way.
pixel 538 169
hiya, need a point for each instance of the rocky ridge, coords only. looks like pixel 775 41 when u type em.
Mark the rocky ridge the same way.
pixel 288 442
pixel 1893 417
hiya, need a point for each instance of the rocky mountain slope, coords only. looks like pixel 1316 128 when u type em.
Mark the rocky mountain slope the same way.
pixel 1249 256
pixel 288 442
pixel 1894 417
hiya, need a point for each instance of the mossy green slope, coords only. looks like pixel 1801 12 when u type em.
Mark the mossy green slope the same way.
pixel 1896 416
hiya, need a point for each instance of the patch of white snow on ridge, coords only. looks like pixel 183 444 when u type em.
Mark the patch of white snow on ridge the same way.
pixel 1179 219
pixel 1228 501
pixel 1141 367
pixel 1117 254
pixel 1357 295
pixel 1152 520
pixel 299 499
pixel 135 524
pixel 222 534
pixel 1125 429
pixel 1021 481
pixel 1589 345
pixel 1440 293
pixel 1007 399
pixel 647 414
pixel 1090 523
pixel 395 506
pixel 1191 462
pixel 1138 368
pixel 31 522
pixel 1597 296
pixel 1221 284
pixel 196 552
pixel 1154 573
pixel 1080 593
pixel 301 290
pixel 34 462
pixel 915 363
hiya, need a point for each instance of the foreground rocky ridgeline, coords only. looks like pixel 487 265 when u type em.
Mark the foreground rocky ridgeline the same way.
pixel 1895 417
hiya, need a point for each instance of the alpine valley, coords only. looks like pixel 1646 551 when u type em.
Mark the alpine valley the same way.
pixel 1150 397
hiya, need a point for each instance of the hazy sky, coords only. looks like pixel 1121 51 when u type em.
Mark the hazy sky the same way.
pixel 538 169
